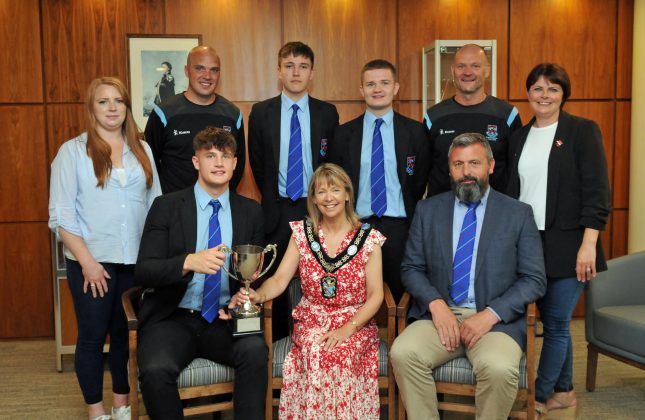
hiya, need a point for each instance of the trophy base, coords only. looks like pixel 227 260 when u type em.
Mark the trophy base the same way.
pixel 247 326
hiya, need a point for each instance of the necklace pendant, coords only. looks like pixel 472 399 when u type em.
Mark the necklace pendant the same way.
pixel 328 287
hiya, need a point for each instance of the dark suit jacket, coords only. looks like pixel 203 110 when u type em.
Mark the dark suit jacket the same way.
pixel 264 147
pixel 169 235
pixel 577 192
pixel 509 271
pixel 410 141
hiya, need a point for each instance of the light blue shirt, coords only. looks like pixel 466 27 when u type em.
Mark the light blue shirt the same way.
pixel 193 297
pixel 395 206
pixel 109 220
pixel 457 221
pixel 286 113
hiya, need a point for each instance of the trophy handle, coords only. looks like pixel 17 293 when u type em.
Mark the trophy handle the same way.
pixel 274 248
pixel 228 251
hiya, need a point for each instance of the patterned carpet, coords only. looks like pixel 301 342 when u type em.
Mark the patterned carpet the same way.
pixel 31 388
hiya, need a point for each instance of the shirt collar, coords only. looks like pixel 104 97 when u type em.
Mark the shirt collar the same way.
pixel 203 199
pixel 387 118
pixel 287 102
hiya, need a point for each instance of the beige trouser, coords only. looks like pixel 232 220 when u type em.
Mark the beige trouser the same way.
pixel 495 359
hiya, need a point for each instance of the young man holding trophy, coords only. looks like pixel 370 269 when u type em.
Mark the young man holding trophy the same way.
pixel 183 313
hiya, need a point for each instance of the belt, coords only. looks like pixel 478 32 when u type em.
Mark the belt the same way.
pixel 192 312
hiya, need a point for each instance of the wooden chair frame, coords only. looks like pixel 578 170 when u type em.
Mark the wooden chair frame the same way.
pixel 526 396
pixel 184 393
pixel 384 382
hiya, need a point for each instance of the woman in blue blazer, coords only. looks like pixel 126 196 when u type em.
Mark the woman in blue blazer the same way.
pixel 558 166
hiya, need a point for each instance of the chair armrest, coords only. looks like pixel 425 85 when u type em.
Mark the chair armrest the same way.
pixel 127 300
pixel 388 301
pixel 622 284
pixel 402 311
pixel 531 315
pixel 267 308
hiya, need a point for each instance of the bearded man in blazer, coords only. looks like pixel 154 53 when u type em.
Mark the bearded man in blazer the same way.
pixel 175 262
pixel 471 303
pixel 405 159
pixel 271 137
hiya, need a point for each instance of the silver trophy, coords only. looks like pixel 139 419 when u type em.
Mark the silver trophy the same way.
pixel 246 263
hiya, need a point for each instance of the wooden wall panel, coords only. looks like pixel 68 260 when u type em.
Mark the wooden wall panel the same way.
pixel 26 281
pixel 421 22
pixel 568 33
pixel 411 109
pixel 86 39
pixel 620 187
pixel 344 36
pixel 20 52
pixel 23 174
pixel 247 186
pixel 64 122
pixel 246 35
pixel 624 46
pixel 619 233
pixel 603 114
pixel 347 111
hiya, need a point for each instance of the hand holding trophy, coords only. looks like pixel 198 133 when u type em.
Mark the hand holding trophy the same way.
pixel 247 262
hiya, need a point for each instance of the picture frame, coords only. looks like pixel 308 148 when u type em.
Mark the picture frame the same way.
pixel 156 69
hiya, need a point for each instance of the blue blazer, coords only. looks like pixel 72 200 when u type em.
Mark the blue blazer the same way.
pixel 509 271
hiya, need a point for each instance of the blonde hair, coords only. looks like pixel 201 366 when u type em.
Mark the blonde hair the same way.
pixel 98 149
pixel 331 174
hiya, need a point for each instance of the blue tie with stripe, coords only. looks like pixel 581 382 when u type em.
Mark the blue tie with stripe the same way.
pixel 210 299
pixel 462 263
pixel 377 173
pixel 294 163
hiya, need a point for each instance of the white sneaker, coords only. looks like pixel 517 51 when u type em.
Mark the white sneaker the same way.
pixel 121 413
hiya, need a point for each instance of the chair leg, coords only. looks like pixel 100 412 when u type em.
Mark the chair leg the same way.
pixel 401 408
pixel 592 364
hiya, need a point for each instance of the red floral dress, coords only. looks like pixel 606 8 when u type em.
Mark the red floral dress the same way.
pixel 342 383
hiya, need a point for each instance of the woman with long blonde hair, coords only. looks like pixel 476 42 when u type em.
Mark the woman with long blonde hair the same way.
pixel 332 368
pixel 102 185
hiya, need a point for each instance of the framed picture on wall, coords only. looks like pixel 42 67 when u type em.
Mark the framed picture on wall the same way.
pixel 156 69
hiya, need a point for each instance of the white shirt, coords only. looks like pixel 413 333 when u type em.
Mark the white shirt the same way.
pixel 533 169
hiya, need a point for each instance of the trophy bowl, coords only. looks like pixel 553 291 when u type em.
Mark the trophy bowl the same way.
pixel 246 266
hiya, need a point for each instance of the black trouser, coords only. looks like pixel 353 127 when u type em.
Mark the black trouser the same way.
pixel 97 317
pixel 396 234
pixel 167 347
pixel 289 211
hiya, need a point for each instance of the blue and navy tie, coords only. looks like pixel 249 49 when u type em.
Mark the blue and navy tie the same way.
pixel 294 168
pixel 377 173
pixel 462 263
pixel 210 300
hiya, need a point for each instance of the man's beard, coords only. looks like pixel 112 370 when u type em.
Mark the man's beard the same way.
pixel 469 193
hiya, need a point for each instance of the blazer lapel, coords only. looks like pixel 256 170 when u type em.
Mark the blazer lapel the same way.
pixel 489 225
pixel 274 129
pixel 401 143
pixel 238 234
pixel 189 220
pixel 315 132
pixel 356 143
pixel 559 146
pixel 445 231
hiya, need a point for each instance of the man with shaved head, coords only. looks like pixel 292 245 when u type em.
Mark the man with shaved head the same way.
pixel 174 123
pixel 471 110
